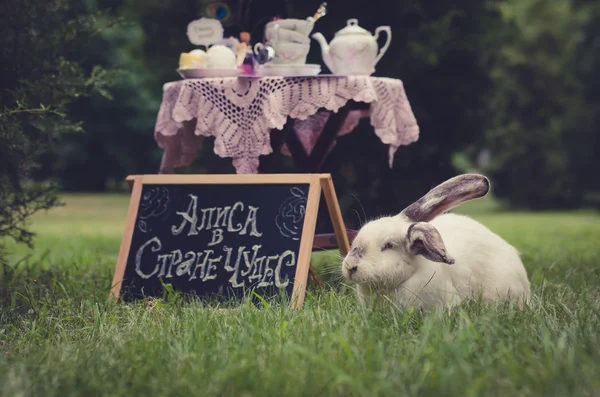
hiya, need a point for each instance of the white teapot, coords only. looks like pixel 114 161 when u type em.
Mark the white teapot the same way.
pixel 353 50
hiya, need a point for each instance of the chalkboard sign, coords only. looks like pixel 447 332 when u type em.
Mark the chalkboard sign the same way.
pixel 221 236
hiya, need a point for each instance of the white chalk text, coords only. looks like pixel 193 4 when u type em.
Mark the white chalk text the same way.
pixel 244 266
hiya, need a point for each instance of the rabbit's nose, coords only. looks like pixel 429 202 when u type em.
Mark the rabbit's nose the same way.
pixel 351 268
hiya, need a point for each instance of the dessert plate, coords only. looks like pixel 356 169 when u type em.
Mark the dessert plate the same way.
pixel 205 73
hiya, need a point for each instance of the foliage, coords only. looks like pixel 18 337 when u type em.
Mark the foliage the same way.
pixel 537 110
pixel 509 77
pixel 59 335
pixel 40 44
pixel 118 139
pixel 587 117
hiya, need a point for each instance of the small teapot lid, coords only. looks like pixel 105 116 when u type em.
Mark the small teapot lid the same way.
pixel 352 28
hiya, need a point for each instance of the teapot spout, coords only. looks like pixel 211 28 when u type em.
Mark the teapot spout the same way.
pixel 324 49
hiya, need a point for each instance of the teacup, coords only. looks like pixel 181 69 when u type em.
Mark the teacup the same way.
pixel 288 39
pixel 290 53
pixel 300 26
pixel 290 36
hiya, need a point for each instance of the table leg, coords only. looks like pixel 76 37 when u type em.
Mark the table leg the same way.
pixel 165 167
pixel 314 276
pixel 314 162
pixel 330 132
pixel 298 153
pixel 328 240
pixel 268 163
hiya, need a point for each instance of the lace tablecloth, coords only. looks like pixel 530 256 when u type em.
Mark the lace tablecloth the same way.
pixel 240 112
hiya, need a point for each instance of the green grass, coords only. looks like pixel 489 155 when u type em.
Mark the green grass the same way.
pixel 60 337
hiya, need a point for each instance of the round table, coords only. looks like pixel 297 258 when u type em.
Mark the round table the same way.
pixel 246 114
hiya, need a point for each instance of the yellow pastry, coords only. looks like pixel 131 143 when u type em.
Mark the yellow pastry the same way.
pixel 195 59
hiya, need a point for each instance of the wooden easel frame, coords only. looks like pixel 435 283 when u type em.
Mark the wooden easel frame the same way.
pixel 316 182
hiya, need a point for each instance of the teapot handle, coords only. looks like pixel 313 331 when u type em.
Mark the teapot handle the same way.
pixel 258 47
pixel 383 49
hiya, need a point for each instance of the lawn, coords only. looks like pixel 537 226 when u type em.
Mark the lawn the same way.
pixel 60 337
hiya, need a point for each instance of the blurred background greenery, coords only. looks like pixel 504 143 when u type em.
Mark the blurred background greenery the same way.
pixel 504 87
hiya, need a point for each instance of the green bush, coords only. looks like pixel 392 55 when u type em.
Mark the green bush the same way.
pixel 538 118
pixel 42 74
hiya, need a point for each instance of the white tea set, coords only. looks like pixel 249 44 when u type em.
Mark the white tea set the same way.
pixel 352 51
pixel 287 47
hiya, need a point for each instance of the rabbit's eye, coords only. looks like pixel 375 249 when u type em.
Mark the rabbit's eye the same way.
pixel 356 251
pixel 387 246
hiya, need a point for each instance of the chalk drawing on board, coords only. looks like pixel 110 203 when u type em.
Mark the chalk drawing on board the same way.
pixel 153 204
pixel 291 214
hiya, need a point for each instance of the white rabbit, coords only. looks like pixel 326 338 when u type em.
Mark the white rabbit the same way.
pixel 423 259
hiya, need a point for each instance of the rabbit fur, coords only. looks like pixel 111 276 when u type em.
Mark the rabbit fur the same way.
pixel 424 257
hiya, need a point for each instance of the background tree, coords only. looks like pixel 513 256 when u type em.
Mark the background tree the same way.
pixel 508 76
pixel 538 119
pixel 586 117
pixel 41 43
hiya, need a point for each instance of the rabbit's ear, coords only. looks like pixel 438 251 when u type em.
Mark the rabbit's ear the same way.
pixel 424 239
pixel 446 196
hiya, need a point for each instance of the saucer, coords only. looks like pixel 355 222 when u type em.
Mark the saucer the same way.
pixel 287 65
pixel 271 69
pixel 205 73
